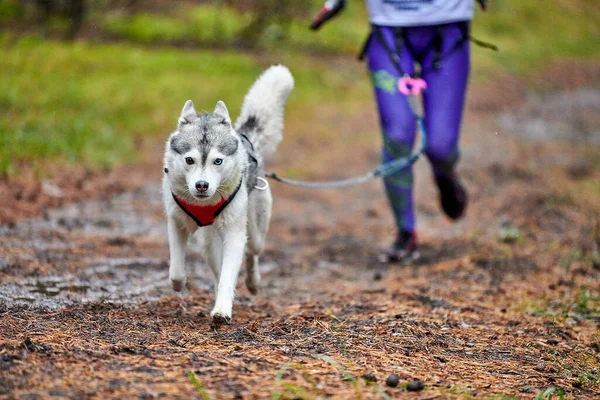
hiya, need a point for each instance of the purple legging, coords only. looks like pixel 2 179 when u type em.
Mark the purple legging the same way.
pixel 443 104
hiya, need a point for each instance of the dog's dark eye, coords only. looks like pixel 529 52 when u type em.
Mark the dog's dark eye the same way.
pixel 218 161
pixel 189 160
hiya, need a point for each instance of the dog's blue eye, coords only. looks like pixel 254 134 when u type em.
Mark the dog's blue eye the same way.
pixel 218 161
pixel 189 160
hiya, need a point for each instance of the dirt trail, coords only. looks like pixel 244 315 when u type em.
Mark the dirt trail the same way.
pixel 503 302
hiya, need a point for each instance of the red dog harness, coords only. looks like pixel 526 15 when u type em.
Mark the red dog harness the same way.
pixel 205 215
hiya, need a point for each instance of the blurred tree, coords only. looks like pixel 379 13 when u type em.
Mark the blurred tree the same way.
pixel 268 14
pixel 270 20
pixel 73 10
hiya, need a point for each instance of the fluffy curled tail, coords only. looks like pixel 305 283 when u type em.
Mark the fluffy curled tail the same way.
pixel 261 118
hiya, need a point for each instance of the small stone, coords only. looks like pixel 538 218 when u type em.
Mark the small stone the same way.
pixel 392 380
pixel 51 189
pixel 415 386
pixel 541 367
pixel 369 376
pixel 372 213
pixel 509 234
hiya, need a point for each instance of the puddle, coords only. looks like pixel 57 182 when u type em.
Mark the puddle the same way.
pixel 98 275
pixel 54 288
pixel 125 281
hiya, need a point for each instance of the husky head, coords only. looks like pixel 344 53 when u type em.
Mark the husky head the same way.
pixel 202 155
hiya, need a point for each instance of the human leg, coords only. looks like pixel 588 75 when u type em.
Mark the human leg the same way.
pixel 398 130
pixel 444 103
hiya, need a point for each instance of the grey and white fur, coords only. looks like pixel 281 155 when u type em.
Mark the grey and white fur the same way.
pixel 205 159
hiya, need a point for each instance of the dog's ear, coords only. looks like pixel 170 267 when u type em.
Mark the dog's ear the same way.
pixel 188 113
pixel 221 113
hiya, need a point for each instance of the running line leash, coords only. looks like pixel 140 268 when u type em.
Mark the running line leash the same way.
pixel 383 170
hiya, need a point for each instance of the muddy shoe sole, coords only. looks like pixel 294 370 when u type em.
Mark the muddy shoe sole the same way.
pixel 385 258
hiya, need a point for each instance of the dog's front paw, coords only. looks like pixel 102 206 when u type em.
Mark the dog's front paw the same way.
pixel 178 284
pixel 219 319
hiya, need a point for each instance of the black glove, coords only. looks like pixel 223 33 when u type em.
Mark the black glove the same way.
pixel 483 4
pixel 330 9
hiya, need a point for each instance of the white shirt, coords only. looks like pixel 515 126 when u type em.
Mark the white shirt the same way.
pixel 418 12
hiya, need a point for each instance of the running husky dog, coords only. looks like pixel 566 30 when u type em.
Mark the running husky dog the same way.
pixel 214 179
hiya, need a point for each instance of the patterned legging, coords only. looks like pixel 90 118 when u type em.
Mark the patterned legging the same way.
pixel 443 104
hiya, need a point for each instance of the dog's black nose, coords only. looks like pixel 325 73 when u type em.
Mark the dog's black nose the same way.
pixel 202 186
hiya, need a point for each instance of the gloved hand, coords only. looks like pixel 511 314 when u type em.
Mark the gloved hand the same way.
pixel 330 9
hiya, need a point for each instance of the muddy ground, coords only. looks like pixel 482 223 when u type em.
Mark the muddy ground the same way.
pixel 503 303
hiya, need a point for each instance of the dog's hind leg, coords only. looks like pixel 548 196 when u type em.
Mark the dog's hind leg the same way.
pixel 253 273
pixel 178 237
pixel 259 217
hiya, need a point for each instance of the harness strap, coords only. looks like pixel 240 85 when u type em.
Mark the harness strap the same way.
pixel 252 151
pixel 438 47
pixel 253 166
pixel 197 212
pixel 230 199
pixel 485 45
pixel 437 43
pixel 394 57
pixel 399 39
pixel 365 47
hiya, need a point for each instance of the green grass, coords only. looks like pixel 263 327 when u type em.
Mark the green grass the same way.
pixel 551 393
pixel 284 389
pixel 582 303
pixel 85 103
pixel 11 10
pixel 198 386
pixel 200 23
pixel 531 34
